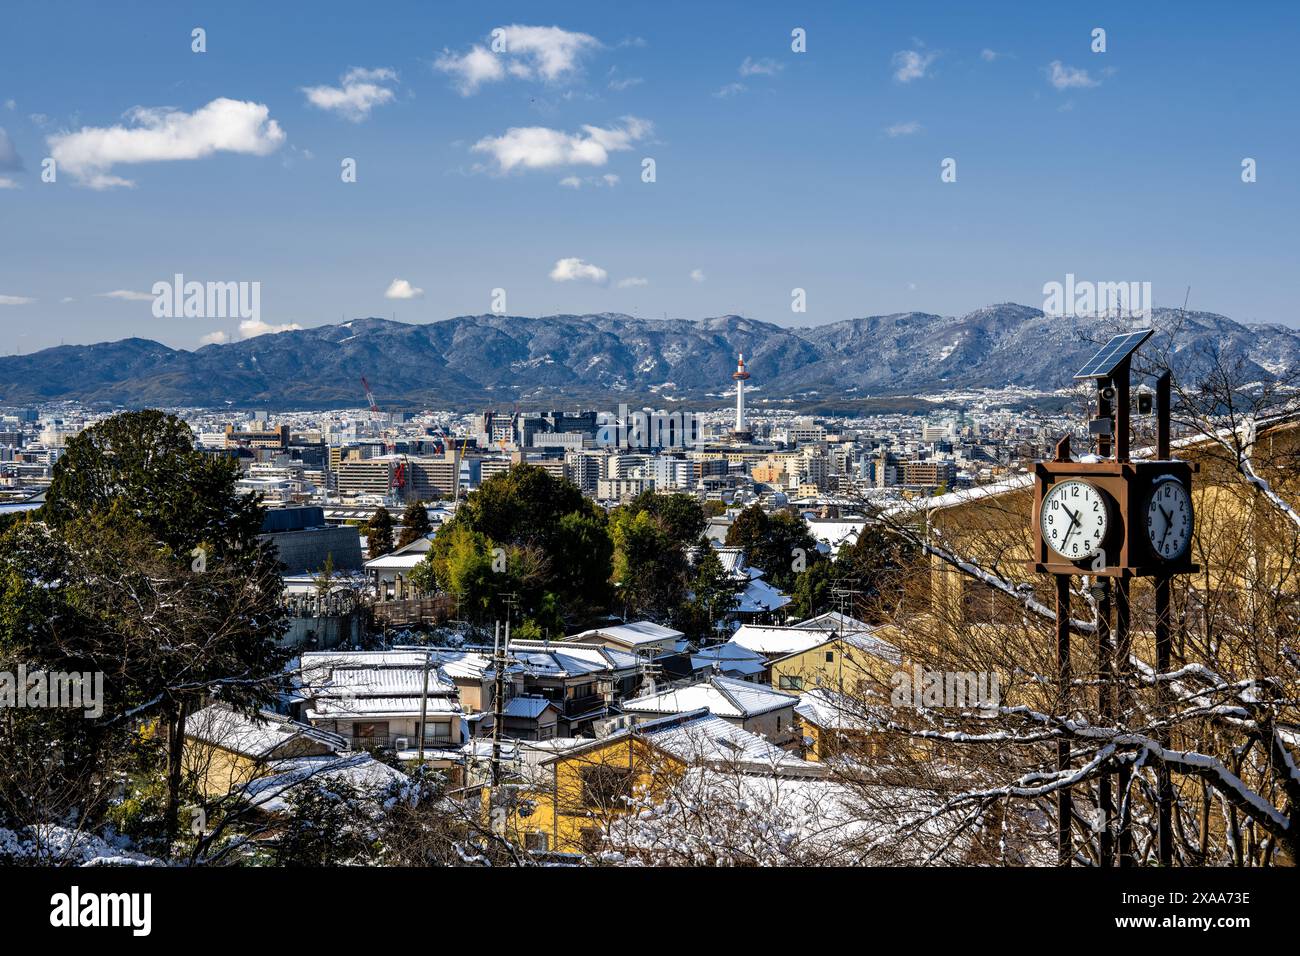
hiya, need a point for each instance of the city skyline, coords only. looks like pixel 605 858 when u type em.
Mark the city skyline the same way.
pixel 775 170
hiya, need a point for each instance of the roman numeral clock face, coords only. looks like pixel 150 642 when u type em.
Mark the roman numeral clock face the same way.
pixel 1074 520
pixel 1169 518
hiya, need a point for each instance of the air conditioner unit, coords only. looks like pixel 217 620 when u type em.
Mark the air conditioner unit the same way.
pixel 401 743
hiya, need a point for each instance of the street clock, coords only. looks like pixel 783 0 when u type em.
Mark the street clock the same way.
pixel 1075 517
pixel 1169 517
pixel 1114 520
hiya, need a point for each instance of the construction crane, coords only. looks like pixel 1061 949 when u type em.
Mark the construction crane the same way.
pixel 370 396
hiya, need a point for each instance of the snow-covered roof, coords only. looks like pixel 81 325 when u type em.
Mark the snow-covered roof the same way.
pixel 259 736
pixel 723 696
pixel 773 641
pixel 1017 482
pixel 697 737
pixel 835 533
pixel 827 708
pixel 734 563
pixel 394 562
pixel 834 621
pixel 359 770
pixel 568 663
pixel 729 659
pixel 526 708
pixel 760 597
pixel 343 708
pixel 700 737
pixel 634 634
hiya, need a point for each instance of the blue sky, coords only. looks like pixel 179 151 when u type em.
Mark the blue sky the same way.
pixel 775 170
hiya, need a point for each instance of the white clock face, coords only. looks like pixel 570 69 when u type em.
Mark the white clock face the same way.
pixel 1074 519
pixel 1169 519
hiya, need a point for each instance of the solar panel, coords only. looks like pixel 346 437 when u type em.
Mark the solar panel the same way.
pixel 1119 348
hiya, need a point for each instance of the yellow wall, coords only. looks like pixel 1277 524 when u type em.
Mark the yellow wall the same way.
pixel 849 667
pixel 562 808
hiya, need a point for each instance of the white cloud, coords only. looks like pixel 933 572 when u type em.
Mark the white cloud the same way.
pixel 619 84
pixel 359 94
pixel 15 300
pixel 1068 77
pixel 158 134
pixel 7 183
pixel 251 328
pixel 126 295
pixel 988 56
pixel 697 275
pixel 764 67
pixel 548 54
pixel 903 129
pixel 214 338
pixel 10 161
pixel 633 282
pixel 731 89
pixel 537 147
pixel 574 270
pixel 401 289
pixel 911 65
pixel 67 298
pixel 577 182
pixel 11 104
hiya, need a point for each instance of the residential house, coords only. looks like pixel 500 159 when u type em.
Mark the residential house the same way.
pixel 753 707
pixel 265 758
pixel 645 639
pixel 377 700
pixel 576 792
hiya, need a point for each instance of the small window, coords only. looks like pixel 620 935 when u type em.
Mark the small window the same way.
pixel 790 682
pixel 606 786
pixel 830 657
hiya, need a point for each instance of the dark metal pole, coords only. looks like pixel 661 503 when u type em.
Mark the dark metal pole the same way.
pixel 498 702
pixel 1107 411
pixel 424 708
pixel 1122 410
pixel 1064 802
pixel 1164 788
pixel 1162 416
pixel 1105 710
pixel 1123 644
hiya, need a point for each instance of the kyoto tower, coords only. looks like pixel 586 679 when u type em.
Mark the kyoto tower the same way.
pixel 740 375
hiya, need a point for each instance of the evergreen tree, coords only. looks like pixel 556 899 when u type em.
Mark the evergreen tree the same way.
pixel 779 545
pixel 144 565
pixel 713 594
pixel 415 524
pixel 379 533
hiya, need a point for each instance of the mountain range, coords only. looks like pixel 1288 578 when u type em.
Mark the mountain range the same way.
pixel 474 361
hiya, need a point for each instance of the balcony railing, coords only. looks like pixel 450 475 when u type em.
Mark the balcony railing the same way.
pixel 390 741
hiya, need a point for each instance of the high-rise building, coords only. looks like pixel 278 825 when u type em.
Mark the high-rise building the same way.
pixel 741 375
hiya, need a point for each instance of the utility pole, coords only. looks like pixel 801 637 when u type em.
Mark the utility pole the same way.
pixel 500 657
pixel 424 708
pixel 844 597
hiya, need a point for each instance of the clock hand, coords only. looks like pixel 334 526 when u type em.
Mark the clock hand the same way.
pixel 1169 523
pixel 1074 521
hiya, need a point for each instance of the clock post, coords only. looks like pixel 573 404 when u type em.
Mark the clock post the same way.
pixel 1108 517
